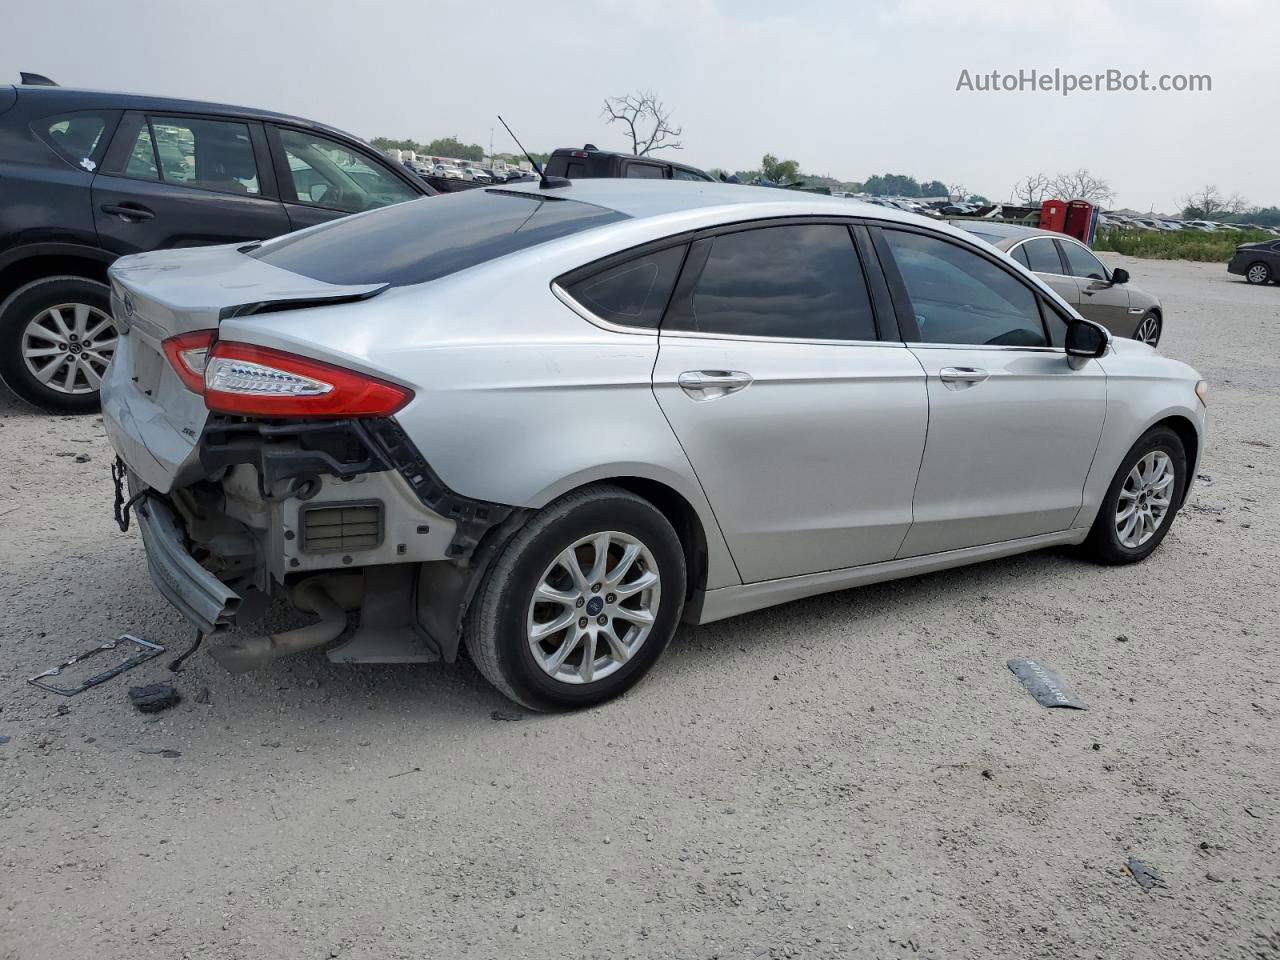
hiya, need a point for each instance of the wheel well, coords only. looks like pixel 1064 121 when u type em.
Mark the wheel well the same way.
pixel 684 518
pixel 52 265
pixel 1186 432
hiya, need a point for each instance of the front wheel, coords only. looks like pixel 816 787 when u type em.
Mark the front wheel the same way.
pixel 56 339
pixel 581 603
pixel 1142 501
pixel 1148 331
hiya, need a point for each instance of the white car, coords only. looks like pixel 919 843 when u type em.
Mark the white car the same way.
pixel 552 423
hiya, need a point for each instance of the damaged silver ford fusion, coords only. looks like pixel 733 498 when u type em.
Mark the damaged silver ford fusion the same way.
pixel 550 422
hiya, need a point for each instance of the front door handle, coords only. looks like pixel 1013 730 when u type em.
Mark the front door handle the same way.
pixel 962 375
pixel 135 212
pixel 710 384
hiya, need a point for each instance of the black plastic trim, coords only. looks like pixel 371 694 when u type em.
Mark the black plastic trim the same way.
pixel 283 451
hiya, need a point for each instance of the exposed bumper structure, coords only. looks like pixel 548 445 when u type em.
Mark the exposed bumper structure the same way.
pixel 200 596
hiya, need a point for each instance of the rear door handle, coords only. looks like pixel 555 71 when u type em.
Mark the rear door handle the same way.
pixel 128 211
pixel 710 384
pixel 962 375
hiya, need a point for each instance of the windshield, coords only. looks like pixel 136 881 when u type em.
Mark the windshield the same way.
pixel 431 238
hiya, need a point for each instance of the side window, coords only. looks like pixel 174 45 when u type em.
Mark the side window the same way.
pixel 634 293
pixel 1042 255
pixel 75 137
pixel 1082 263
pixel 327 174
pixel 644 171
pixel 960 297
pixel 1057 324
pixel 800 281
pixel 678 174
pixel 141 163
pixel 209 154
pixel 1020 254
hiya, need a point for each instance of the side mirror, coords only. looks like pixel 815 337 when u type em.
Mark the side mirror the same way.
pixel 1119 275
pixel 1085 339
pixel 317 191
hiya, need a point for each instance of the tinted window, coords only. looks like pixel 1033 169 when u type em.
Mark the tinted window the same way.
pixel 646 171
pixel 960 297
pixel 74 136
pixel 1082 263
pixel 325 173
pixel 141 163
pixel 678 174
pixel 431 238
pixel 634 293
pixel 1020 254
pixel 798 281
pixel 1041 255
pixel 210 154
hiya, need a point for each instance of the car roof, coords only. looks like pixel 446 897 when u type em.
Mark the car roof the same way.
pixel 643 199
pixel 73 98
pixel 1000 234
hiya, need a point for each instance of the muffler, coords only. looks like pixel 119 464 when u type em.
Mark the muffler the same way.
pixel 242 654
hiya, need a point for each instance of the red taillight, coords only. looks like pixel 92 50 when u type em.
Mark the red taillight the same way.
pixel 260 382
pixel 188 353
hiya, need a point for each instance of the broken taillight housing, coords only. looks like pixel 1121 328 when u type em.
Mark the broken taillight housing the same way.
pixel 188 353
pixel 248 380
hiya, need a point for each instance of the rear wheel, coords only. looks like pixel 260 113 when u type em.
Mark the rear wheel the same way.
pixel 1142 501
pixel 581 603
pixel 1258 273
pixel 56 339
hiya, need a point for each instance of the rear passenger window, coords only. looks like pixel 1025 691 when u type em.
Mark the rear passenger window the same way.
pixel 801 281
pixel 1042 255
pixel 211 154
pixel 644 171
pixel 634 293
pixel 960 297
pixel 75 137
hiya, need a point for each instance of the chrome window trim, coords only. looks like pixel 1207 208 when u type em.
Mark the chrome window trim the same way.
pixel 984 346
pixel 563 296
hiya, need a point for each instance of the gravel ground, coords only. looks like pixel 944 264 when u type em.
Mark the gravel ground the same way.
pixel 854 775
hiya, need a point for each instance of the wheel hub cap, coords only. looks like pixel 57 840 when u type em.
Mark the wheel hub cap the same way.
pixel 594 607
pixel 67 347
pixel 1144 499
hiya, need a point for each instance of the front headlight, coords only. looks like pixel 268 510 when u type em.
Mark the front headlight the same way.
pixel 1202 389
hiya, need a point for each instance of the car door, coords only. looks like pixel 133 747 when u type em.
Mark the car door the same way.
pixel 1013 425
pixel 1101 300
pixel 804 427
pixel 322 178
pixel 185 181
pixel 1041 256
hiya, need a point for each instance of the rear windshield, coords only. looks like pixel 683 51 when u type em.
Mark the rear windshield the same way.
pixel 431 238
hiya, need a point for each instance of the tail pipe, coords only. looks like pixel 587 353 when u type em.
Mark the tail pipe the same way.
pixel 242 654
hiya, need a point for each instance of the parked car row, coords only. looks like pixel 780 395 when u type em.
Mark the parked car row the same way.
pixel 1171 224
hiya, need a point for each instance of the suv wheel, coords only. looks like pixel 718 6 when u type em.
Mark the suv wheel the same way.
pixel 581 603
pixel 1142 500
pixel 56 339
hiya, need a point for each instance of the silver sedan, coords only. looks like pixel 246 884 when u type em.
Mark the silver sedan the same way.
pixel 549 424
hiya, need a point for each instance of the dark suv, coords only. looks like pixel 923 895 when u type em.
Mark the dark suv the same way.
pixel 87 176
pixel 590 161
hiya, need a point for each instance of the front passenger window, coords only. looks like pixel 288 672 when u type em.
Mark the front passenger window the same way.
pixel 1082 263
pixel 963 298
pixel 328 174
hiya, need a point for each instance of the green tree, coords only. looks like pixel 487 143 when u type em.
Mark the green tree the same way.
pixel 933 188
pixel 453 147
pixel 779 171
pixel 892 184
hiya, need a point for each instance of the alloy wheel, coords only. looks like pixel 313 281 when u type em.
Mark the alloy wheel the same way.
pixel 67 347
pixel 1148 330
pixel 1145 499
pixel 594 607
pixel 1258 273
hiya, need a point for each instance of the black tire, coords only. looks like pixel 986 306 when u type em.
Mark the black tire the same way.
pixel 1103 544
pixel 1263 276
pixel 24 305
pixel 496 629
pixel 1148 316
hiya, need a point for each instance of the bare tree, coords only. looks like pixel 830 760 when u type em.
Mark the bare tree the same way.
pixel 1032 190
pixel 647 119
pixel 957 191
pixel 1210 204
pixel 1081 185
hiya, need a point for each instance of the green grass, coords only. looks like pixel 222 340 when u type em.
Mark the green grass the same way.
pixel 1176 245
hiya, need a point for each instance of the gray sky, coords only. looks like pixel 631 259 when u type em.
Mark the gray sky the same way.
pixel 848 89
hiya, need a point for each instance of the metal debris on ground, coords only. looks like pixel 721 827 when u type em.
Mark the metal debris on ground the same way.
pixel 148 650
pixel 1143 875
pixel 1043 682
pixel 511 716
pixel 154 697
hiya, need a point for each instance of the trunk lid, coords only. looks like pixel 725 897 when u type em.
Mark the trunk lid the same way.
pixel 152 419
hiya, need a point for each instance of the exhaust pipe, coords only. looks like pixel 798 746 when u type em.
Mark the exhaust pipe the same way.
pixel 249 653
